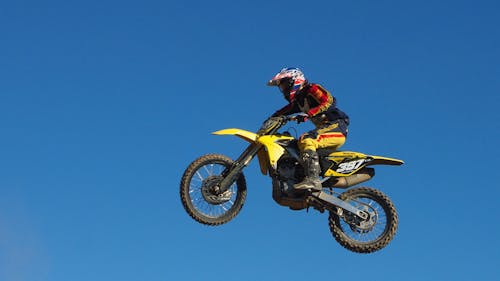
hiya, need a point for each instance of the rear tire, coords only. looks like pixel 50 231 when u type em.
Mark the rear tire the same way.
pixel 199 200
pixel 351 233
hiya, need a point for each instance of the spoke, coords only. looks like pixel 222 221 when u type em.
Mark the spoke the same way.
pixel 194 189
pixel 212 169
pixel 379 229
pixel 197 197
pixel 199 175
pixel 208 171
pixel 229 204
pixel 379 221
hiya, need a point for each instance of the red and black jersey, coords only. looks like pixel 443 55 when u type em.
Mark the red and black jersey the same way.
pixel 317 103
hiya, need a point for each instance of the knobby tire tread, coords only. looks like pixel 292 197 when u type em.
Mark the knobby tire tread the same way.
pixel 184 190
pixel 363 247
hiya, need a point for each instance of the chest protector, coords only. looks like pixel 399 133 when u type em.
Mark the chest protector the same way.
pixel 305 102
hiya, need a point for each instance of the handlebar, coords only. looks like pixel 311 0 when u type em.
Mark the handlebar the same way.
pixel 272 124
pixel 301 117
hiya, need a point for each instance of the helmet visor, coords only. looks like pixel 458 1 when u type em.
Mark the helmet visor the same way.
pixel 285 85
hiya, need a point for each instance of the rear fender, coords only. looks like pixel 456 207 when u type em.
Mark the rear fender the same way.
pixel 350 162
pixel 380 160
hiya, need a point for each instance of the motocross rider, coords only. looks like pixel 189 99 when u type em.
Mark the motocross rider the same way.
pixel 320 106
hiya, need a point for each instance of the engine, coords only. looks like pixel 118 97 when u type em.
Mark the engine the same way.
pixel 289 172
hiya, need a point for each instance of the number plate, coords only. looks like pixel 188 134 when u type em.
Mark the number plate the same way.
pixel 350 166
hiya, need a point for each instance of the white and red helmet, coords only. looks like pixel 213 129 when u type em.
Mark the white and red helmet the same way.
pixel 289 80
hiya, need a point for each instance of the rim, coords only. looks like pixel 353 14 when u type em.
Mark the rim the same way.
pixel 369 230
pixel 200 191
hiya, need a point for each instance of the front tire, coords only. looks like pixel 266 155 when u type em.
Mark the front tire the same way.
pixel 369 235
pixel 199 199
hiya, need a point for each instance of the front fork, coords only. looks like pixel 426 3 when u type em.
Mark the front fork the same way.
pixel 231 174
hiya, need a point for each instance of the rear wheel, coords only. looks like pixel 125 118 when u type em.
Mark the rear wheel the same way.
pixel 198 191
pixel 365 235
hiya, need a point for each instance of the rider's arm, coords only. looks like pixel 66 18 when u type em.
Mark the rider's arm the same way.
pixel 323 97
pixel 288 109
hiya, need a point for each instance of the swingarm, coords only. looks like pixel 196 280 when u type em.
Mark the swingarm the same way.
pixel 332 200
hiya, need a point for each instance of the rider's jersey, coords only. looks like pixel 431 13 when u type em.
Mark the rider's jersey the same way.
pixel 317 103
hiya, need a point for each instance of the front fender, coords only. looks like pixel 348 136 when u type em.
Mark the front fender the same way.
pixel 251 138
pixel 246 135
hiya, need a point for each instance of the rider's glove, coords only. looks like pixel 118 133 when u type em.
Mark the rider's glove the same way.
pixel 301 118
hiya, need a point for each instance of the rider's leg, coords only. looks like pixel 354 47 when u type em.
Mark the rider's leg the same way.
pixel 308 144
pixel 310 162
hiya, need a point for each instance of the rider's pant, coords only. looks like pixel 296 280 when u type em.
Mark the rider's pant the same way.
pixel 330 135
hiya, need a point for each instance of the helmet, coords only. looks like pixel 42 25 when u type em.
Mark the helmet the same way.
pixel 289 80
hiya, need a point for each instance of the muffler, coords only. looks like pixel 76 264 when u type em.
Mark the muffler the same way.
pixel 345 182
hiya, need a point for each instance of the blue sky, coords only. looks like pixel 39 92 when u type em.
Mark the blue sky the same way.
pixel 103 104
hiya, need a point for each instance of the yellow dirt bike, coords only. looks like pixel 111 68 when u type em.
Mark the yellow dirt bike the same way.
pixel 364 220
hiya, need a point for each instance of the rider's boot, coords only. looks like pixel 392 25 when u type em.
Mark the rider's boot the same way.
pixel 310 161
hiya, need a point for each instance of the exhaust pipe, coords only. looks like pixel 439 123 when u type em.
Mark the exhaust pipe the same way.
pixel 359 177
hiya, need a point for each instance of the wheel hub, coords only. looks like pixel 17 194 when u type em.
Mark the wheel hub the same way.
pixel 208 188
pixel 360 225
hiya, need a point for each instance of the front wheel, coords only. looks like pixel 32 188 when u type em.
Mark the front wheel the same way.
pixel 198 191
pixel 368 235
